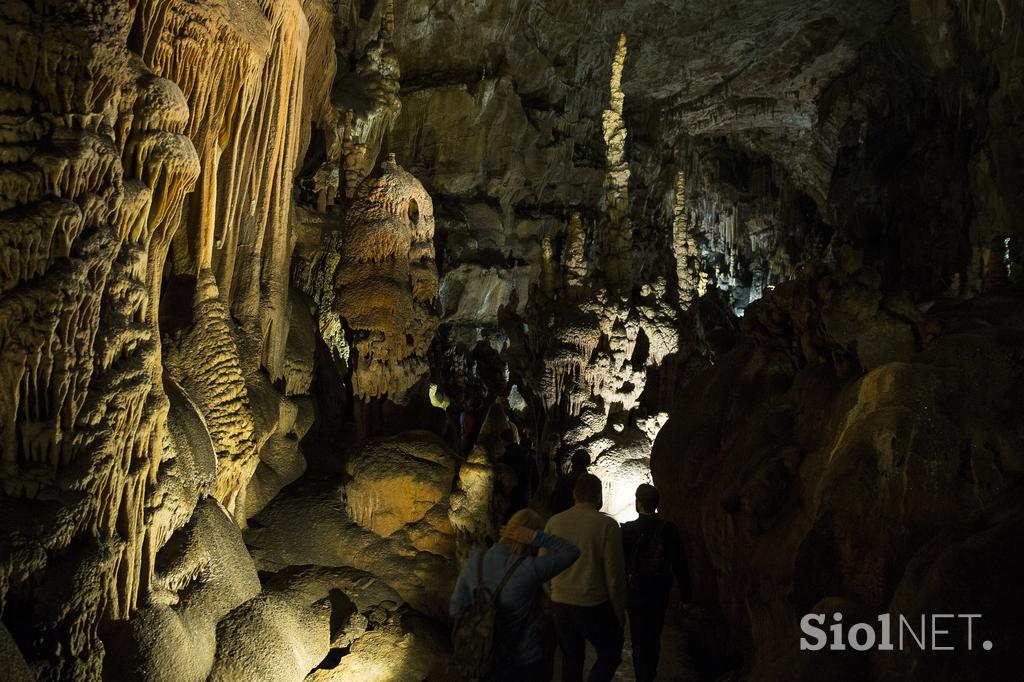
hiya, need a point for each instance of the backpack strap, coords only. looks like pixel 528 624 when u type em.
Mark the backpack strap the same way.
pixel 480 567
pixel 504 580
pixel 508 574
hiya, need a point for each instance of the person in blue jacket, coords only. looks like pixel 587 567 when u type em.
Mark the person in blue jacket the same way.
pixel 517 629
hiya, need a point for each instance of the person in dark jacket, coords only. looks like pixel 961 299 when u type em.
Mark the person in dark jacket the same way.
pixel 517 629
pixel 520 464
pixel 654 555
pixel 562 499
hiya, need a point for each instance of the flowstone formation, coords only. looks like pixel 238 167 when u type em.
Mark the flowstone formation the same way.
pixel 402 518
pixel 94 181
pixel 158 365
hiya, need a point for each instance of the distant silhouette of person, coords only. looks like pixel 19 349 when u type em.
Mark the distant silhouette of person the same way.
pixel 589 599
pixel 517 636
pixel 469 421
pixel 562 499
pixel 654 554
pixel 520 464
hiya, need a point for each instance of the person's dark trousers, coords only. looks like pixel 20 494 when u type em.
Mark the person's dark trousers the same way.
pixel 523 673
pixel 577 625
pixel 549 640
pixel 646 619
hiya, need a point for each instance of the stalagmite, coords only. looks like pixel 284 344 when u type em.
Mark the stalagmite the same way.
pixel 371 103
pixel 353 155
pixel 205 362
pixel 549 269
pixel 689 274
pixel 618 242
pixel 386 283
pixel 574 258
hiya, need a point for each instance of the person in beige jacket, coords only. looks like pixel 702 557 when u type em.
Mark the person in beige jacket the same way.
pixel 589 598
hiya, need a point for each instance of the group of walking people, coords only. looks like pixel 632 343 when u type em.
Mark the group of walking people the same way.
pixel 595 576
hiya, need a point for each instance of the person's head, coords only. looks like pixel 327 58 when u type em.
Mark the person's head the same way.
pixel 507 436
pixel 528 519
pixel 588 490
pixel 647 498
pixel 580 461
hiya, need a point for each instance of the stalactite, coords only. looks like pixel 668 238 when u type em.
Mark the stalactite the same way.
pixel 247 96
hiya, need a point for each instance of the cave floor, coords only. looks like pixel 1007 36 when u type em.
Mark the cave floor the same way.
pixel 675 664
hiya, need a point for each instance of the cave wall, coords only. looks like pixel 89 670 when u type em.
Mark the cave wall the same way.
pixel 97 171
pixel 154 356
pixel 853 452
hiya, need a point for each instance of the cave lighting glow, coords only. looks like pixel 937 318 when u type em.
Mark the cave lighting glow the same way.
pixel 620 493
pixel 620 478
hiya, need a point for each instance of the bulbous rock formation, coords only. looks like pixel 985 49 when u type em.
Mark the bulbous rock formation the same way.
pixel 386 283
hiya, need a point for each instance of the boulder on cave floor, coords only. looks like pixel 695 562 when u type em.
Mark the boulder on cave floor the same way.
pixel 308 523
pixel 397 481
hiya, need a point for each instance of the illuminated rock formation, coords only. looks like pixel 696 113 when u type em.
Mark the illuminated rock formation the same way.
pixel 313 271
pixel 386 283
pixel 353 156
pixel 203 575
pixel 692 280
pixel 101 175
pixel 599 344
pixel 402 482
pixel 369 98
pixel 397 518
pixel 205 362
pixel 470 503
pixel 321 170
pixel 247 96
pixel 110 158
pixel 574 260
pixel 281 461
pixel 618 242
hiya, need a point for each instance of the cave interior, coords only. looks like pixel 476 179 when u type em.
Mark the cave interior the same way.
pixel 276 276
